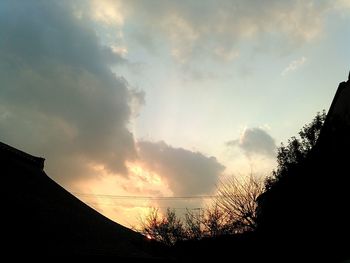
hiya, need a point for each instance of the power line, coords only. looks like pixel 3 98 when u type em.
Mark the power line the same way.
pixel 146 197
pixel 163 207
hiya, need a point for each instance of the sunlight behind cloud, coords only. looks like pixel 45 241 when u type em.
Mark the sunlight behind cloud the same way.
pixel 144 174
pixel 76 75
pixel 120 198
pixel 107 11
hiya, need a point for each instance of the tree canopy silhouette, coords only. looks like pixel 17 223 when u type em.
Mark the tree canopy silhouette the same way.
pixel 291 156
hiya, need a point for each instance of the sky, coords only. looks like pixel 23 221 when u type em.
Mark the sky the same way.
pixel 164 98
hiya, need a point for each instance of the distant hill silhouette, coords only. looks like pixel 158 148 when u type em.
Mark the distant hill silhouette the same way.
pixel 39 217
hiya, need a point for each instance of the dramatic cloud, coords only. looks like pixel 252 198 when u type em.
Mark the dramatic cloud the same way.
pixel 63 95
pixel 216 28
pixel 60 99
pixel 294 65
pixel 58 96
pixel 255 141
pixel 186 172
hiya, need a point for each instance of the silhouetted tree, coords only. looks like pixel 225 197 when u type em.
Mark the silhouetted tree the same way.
pixel 193 224
pixel 216 221
pixel 233 211
pixel 211 221
pixel 292 155
pixel 168 229
pixel 237 198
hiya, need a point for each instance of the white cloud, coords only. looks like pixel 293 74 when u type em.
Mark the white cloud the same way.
pixel 294 65
pixel 255 141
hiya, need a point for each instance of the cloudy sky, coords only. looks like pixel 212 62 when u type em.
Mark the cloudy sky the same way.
pixel 162 98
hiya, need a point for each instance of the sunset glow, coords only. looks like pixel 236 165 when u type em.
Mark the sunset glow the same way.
pixel 129 101
pixel 145 175
pixel 124 199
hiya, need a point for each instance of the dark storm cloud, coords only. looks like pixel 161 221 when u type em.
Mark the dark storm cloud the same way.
pixel 187 172
pixel 58 97
pixel 255 141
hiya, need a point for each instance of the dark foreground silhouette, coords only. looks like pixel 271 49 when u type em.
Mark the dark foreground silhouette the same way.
pixel 303 217
pixel 307 211
pixel 39 217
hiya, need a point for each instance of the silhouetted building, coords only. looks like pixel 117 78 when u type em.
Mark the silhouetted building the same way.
pixel 39 217
pixel 20 157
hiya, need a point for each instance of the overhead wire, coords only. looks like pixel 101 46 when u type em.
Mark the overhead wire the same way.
pixel 145 197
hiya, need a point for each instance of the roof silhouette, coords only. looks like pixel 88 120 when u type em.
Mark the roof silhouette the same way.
pixel 22 156
pixel 40 217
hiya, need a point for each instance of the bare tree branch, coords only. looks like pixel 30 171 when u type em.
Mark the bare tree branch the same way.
pixel 238 198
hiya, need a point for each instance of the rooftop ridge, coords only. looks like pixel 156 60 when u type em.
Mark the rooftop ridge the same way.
pixel 36 161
